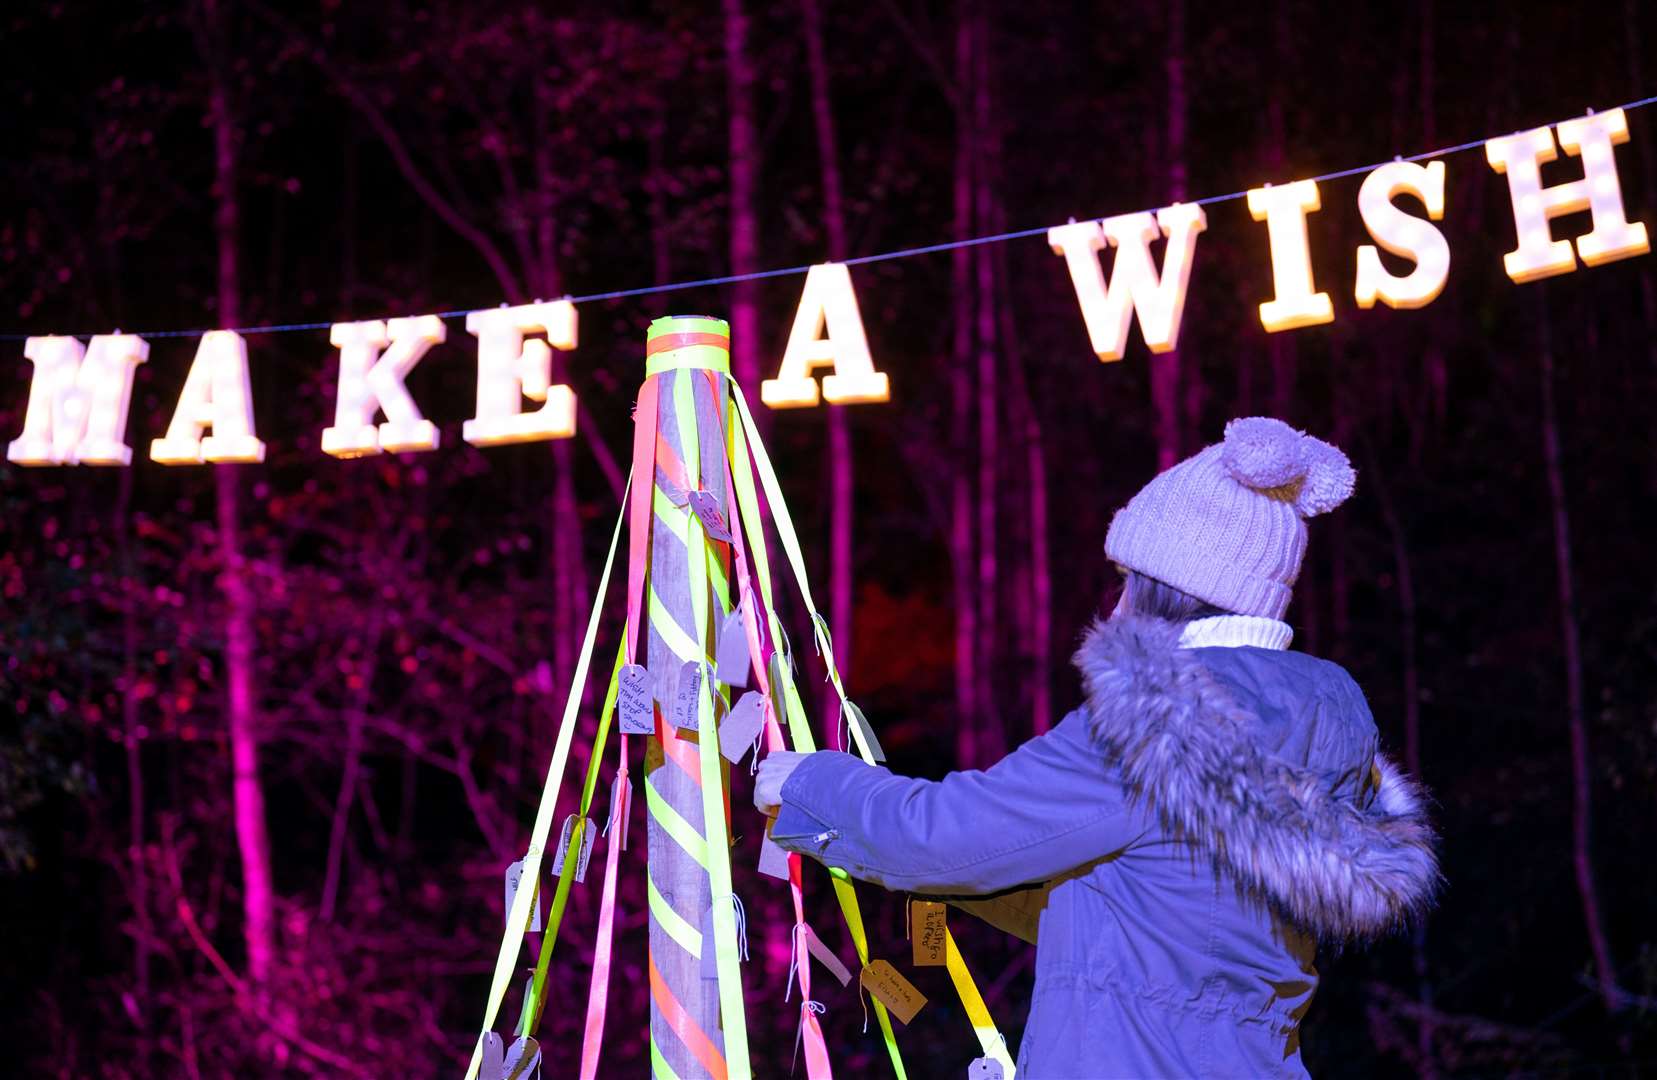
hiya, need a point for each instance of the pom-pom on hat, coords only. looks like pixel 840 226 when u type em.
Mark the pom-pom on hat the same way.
pixel 1227 524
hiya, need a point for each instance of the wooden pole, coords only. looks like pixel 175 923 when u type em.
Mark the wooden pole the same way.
pixel 678 877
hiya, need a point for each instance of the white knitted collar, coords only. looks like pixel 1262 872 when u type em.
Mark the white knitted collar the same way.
pixel 1230 631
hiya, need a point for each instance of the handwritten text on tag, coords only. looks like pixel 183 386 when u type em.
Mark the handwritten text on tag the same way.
pixel 892 990
pixel 687 699
pixel 707 510
pixel 928 931
pixel 633 701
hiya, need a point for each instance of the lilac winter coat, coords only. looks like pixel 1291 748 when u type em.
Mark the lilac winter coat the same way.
pixel 1234 809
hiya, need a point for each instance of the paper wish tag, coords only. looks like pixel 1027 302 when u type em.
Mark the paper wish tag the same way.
pixel 687 696
pixel 928 932
pixel 514 875
pixel 494 1057
pixel 633 701
pixel 825 955
pixel 707 511
pixel 855 718
pixel 564 846
pixel 741 727
pixel 732 655
pixel 773 860
pixel 892 990
pixel 985 1068
pixel 523 1059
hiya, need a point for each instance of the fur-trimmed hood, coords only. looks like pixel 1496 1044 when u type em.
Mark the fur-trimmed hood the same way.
pixel 1186 745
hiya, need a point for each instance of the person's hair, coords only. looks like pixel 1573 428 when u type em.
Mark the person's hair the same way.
pixel 1145 595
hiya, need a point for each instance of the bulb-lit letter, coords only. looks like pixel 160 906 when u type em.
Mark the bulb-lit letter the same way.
pixel 78 398
pixel 370 381
pixel 1403 235
pixel 1284 209
pixel 826 301
pixel 1136 287
pixel 511 369
pixel 216 396
pixel 1520 157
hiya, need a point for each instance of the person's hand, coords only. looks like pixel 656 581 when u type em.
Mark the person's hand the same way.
pixel 773 772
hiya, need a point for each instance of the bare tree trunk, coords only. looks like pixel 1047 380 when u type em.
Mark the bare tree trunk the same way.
pixel 1438 376
pixel 1425 1060
pixel 248 795
pixel 842 478
pixel 137 864
pixel 1280 347
pixel 1165 368
pixel 1648 169
pixel 961 547
pixel 1034 602
pixel 1571 640
pixel 987 141
pixel 744 193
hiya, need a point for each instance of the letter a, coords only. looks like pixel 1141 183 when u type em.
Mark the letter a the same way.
pixel 216 396
pixel 77 413
pixel 827 300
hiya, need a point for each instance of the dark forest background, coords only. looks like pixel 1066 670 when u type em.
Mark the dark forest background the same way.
pixel 393 636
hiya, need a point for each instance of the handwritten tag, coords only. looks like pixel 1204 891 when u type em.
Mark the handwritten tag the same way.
pixel 523 1059
pixel 732 655
pixel 740 730
pixel 928 930
pixel 633 704
pixel 855 717
pixel 985 1069
pixel 687 697
pixel 773 860
pixel 514 874
pixel 892 990
pixel 707 511
pixel 825 955
pixel 564 846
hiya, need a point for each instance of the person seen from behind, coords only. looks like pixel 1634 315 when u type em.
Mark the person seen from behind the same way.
pixel 1216 807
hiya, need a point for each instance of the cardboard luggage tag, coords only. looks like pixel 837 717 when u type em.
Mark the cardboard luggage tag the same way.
pixel 523 1059
pixel 985 1068
pixel 494 1057
pixel 732 656
pixel 687 696
pixel 773 860
pixel 928 932
pixel 740 729
pixel 564 847
pixel 892 990
pixel 514 875
pixel 825 955
pixel 633 701
pixel 855 717
pixel 707 511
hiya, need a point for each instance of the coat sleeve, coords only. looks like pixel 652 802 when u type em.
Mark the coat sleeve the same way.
pixel 1051 805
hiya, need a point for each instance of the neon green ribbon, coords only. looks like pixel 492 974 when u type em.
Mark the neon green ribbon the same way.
pixel 517 920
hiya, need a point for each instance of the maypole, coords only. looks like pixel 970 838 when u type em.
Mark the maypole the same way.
pixel 704 674
pixel 688 865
